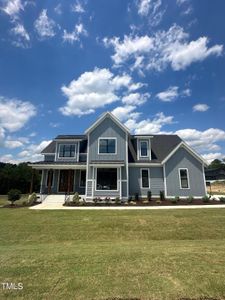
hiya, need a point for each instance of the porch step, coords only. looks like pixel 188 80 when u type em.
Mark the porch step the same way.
pixel 54 199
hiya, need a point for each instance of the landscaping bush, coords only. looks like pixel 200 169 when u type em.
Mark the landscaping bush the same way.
pixel 117 200
pixel 205 199
pixel 222 199
pixel 14 195
pixel 158 201
pixel 130 199
pixel 107 200
pixel 32 199
pixel 76 198
pixel 190 199
pixel 149 195
pixel 162 196
pixel 136 197
pixel 175 200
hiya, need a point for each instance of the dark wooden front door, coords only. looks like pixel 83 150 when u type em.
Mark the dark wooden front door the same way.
pixel 66 180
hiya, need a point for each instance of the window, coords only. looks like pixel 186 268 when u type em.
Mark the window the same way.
pixel 107 146
pixel 49 180
pixel 67 150
pixel 184 180
pixel 144 148
pixel 82 178
pixel 145 178
pixel 106 179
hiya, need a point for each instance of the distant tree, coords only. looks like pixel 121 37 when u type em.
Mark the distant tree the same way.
pixel 216 163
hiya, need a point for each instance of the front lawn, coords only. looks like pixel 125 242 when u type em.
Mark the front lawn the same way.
pixel 167 254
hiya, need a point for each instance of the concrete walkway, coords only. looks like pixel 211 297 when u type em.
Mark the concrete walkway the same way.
pixel 52 206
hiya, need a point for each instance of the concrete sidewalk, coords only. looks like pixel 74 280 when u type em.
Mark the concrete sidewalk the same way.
pixel 52 206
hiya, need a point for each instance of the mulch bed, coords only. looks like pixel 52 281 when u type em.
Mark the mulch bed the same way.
pixel 166 202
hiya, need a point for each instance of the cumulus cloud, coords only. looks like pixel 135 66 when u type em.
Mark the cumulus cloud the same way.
pixel 172 93
pixel 45 26
pixel 200 107
pixel 94 90
pixel 77 7
pixel 163 48
pixel 14 114
pixel 152 9
pixel 124 112
pixel 135 98
pixel 209 157
pixel 74 36
pixel 13 8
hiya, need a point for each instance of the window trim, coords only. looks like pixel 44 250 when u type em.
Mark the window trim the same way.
pixel 107 138
pixel 53 178
pixel 188 179
pixel 117 180
pixel 82 186
pixel 66 157
pixel 149 186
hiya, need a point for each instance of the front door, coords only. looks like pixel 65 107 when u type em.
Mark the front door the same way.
pixel 66 180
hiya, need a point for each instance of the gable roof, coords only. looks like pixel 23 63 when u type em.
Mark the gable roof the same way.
pixel 102 117
pixel 50 149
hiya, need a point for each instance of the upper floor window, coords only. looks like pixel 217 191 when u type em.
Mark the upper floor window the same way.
pixel 67 150
pixel 184 178
pixel 143 148
pixel 107 146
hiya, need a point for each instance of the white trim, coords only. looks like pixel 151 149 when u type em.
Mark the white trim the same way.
pixel 53 177
pixel 188 181
pixel 145 164
pixel 57 167
pixel 120 183
pixel 148 141
pixel 52 154
pixel 149 186
pixel 80 179
pixel 42 179
pixel 127 168
pixel 204 180
pixel 147 145
pixel 105 165
pixel 107 138
pixel 67 157
pixel 102 117
pixel 87 165
pixel 165 183
pixel 68 140
pixel 78 151
pixel 96 179
pixel 189 149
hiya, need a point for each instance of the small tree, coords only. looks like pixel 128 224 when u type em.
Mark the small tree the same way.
pixel 161 195
pixel 14 195
pixel 76 198
pixel 149 195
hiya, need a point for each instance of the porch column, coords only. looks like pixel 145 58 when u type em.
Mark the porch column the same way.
pixel 50 175
pixel 32 182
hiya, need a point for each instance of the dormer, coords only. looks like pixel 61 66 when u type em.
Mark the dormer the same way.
pixel 144 147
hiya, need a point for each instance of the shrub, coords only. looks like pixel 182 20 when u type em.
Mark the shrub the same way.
pixel 174 200
pixel 222 199
pixel 14 195
pixel 117 200
pixel 205 199
pixel 130 199
pixel 132 202
pixel 32 199
pixel 107 200
pixel 76 198
pixel 158 201
pixel 149 195
pixel 162 196
pixel 190 199
pixel 136 197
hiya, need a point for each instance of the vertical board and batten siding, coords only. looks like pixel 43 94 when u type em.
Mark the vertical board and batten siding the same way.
pixel 156 181
pixel 183 159
pixel 107 128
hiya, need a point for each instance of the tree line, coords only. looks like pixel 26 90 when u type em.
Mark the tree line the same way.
pixel 18 177
pixel 217 163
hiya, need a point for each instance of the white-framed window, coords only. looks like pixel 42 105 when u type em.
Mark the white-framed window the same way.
pixel 82 181
pixel 145 179
pixel 107 145
pixel 67 150
pixel 144 149
pixel 184 178
pixel 107 179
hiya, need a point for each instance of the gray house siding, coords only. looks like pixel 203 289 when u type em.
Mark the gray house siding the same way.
pixel 156 181
pixel 107 129
pixel 183 159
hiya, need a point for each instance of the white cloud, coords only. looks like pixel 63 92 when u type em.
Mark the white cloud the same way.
pixel 124 112
pixel 135 98
pixel 180 2
pixel 152 9
pixel 14 114
pixel 22 36
pixel 200 107
pixel 93 90
pixel 172 93
pixel 13 144
pixel 211 156
pixel 149 126
pixel 58 9
pixel 77 7
pixel 74 36
pixel 160 50
pixel 45 26
pixel 13 8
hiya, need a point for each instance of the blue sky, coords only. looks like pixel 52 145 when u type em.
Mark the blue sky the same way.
pixel 158 65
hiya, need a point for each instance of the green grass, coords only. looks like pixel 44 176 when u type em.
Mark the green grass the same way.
pixel 4 199
pixel 169 254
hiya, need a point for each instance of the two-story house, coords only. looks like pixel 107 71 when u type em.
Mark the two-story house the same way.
pixel 108 161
